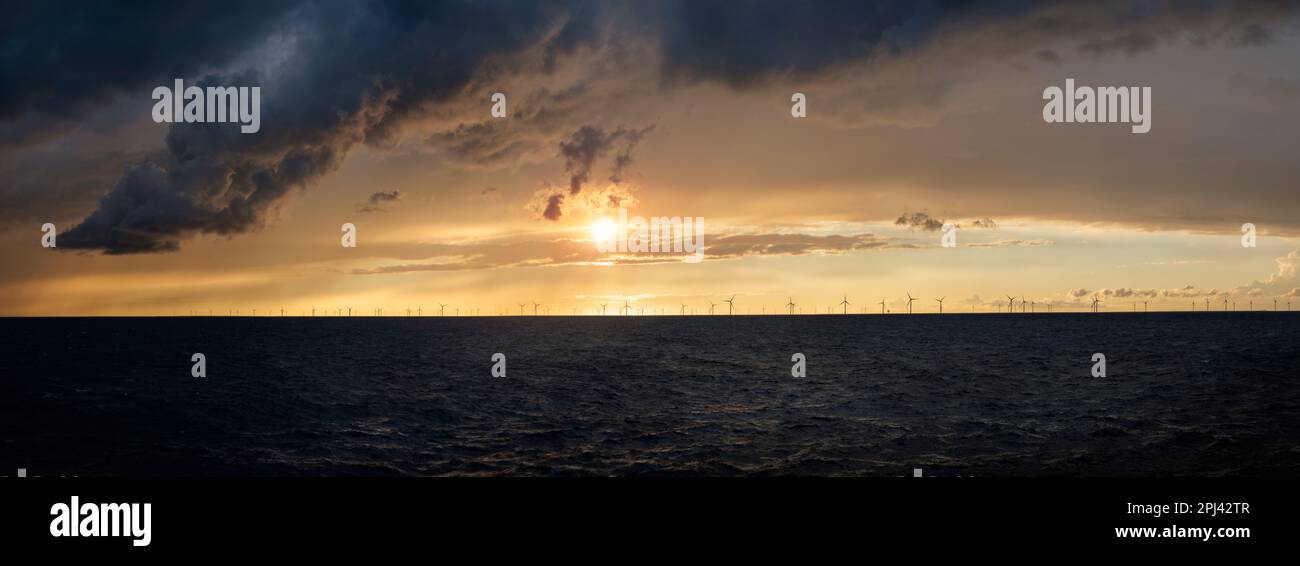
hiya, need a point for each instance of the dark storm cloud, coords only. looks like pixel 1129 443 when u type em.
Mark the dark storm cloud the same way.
pixel 1251 35
pixel 740 43
pixel 354 72
pixel 338 73
pixel 1130 44
pixel 1048 56
pixel 61 58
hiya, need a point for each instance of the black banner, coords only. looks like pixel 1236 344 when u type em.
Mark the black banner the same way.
pixel 535 517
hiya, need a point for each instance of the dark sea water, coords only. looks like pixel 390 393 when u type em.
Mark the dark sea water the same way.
pixel 984 395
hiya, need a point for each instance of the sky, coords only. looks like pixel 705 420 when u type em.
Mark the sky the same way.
pixel 380 115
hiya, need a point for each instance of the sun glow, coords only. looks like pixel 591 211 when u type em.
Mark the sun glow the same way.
pixel 603 230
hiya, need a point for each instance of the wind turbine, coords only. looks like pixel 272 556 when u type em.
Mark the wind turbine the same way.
pixel 882 305
pixel 535 305
pixel 909 303
pixel 845 303
pixel 1225 303
pixel 1011 304
pixel 418 310
pixel 627 308
pixel 602 309
pixel 790 305
pixel 683 311
pixel 940 300
pixel 731 303
pixel 442 309
pixel 711 305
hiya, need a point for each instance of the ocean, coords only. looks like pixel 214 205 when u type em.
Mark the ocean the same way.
pixel 1185 394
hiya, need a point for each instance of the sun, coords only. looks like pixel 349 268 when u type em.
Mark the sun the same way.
pixel 603 230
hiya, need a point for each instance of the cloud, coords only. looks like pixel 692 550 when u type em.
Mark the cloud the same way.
pixel 62 60
pixel 919 220
pixel 1280 283
pixel 552 203
pixel 342 80
pixel 1010 244
pixel 589 143
pixel 1127 293
pixel 376 200
pixel 581 151
pixel 1188 292
pixel 338 74
pixel 533 252
pixel 1048 56
pixel 924 221
pixel 1250 35
pixel 554 207
pixel 738 245
pixel 1130 44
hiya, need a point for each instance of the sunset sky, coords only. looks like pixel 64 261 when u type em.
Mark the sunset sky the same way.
pixel 380 116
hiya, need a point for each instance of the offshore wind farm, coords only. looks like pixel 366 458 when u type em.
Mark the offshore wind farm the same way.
pixel 709 308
